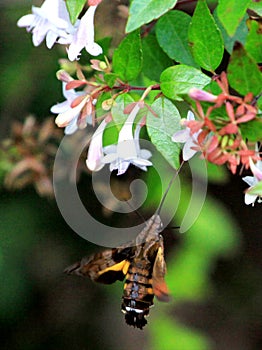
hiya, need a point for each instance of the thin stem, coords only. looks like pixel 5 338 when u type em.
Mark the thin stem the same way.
pixel 141 88
pixel 168 187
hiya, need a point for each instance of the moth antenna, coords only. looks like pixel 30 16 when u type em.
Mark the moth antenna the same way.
pixel 168 187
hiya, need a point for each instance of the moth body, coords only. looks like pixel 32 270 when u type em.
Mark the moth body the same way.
pixel 142 264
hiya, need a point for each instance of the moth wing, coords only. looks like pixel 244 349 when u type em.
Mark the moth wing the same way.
pixel 159 270
pixel 106 267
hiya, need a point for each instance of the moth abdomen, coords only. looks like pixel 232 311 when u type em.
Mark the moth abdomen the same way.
pixel 139 291
pixel 138 294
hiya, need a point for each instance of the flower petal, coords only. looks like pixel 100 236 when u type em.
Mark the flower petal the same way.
pixel 84 36
pixel 71 127
pixel 144 153
pixel 126 149
pixel 250 199
pixel 26 21
pixel 95 151
pixel 190 115
pixel 50 39
pixel 39 34
pixel 122 167
pixel 188 152
pixel 256 169
pixel 250 180
pixel 63 119
pixel 110 149
pixel 110 158
pixel 181 135
pixel 94 49
pixel 126 132
pixel 141 162
pixel 60 107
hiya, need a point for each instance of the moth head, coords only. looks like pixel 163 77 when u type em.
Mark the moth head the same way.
pixel 158 223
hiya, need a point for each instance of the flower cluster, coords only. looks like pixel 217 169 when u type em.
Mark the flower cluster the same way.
pixel 214 128
pixel 51 21
pixel 78 110
pixel 219 137
pixel 127 150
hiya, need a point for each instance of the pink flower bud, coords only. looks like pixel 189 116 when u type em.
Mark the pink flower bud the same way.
pixel 201 95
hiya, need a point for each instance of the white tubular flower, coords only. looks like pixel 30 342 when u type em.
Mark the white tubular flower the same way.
pixel 50 21
pixel 184 136
pixel 143 154
pixel 252 181
pixel 84 37
pixel 127 151
pixel 95 151
pixel 68 116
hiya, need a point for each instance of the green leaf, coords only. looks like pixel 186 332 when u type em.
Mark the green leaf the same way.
pixel 161 128
pixel 172 35
pixel 259 103
pixel 254 41
pixel 127 58
pixel 179 79
pixel 252 130
pixel 219 239
pixel 231 12
pixel 110 135
pixel 240 34
pixel 74 8
pixel 154 59
pixel 256 7
pixel 110 79
pixel 167 334
pixel 117 110
pixel 144 11
pixel 192 282
pixel 205 38
pixel 243 73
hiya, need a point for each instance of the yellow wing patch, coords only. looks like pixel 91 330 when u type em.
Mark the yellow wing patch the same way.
pixel 121 266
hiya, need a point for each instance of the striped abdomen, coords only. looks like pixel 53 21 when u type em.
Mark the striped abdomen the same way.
pixel 138 293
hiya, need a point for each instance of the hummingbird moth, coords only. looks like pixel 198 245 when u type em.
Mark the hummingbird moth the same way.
pixel 141 263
